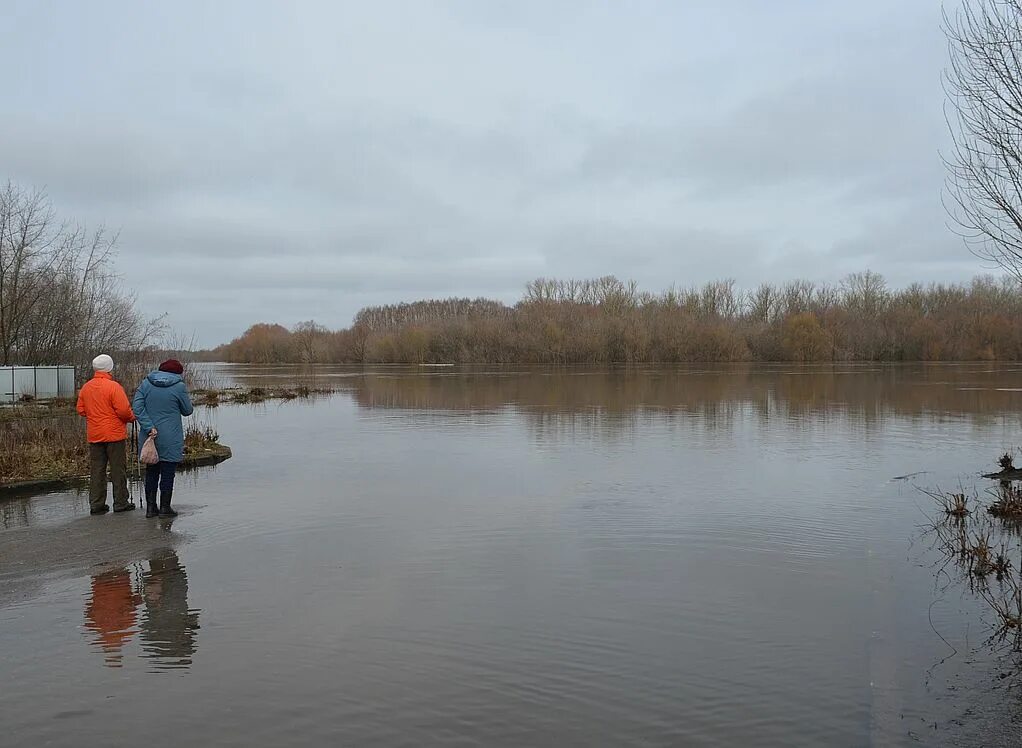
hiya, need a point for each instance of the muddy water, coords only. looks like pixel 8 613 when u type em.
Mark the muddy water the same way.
pixel 703 556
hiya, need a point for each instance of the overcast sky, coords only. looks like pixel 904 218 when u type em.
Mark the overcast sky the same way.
pixel 287 161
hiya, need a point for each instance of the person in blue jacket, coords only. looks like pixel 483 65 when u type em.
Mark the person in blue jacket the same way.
pixel 159 403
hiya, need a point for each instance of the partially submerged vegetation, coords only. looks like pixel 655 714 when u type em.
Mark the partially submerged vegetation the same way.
pixel 984 547
pixel 212 397
pixel 606 320
pixel 954 504
pixel 1008 470
pixel 1008 505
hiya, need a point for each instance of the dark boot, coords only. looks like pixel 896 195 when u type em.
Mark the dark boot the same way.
pixel 150 504
pixel 165 510
pixel 124 507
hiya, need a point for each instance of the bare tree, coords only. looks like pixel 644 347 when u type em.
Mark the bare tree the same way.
pixel 719 299
pixel 309 338
pixel 797 297
pixel 27 253
pixel 984 89
pixel 60 298
pixel 865 294
pixel 762 303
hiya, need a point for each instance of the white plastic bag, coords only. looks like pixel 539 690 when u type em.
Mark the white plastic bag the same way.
pixel 149 455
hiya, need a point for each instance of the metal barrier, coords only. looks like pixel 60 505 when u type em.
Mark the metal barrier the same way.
pixel 37 382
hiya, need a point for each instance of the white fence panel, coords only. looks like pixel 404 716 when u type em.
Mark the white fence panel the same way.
pixel 39 382
pixel 46 384
pixel 65 381
pixel 24 381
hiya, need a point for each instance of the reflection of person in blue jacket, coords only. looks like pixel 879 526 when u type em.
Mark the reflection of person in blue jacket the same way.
pixel 159 403
pixel 169 627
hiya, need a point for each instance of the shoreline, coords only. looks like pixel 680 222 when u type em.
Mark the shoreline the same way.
pixel 36 419
pixel 208 457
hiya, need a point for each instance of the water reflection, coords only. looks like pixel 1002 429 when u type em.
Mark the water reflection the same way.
pixel 564 403
pixel 111 613
pixel 33 510
pixel 168 627
pixel 567 402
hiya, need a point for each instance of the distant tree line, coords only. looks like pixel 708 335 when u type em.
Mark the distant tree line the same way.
pixel 605 320
pixel 61 301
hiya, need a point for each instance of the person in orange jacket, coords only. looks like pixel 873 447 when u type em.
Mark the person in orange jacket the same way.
pixel 106 409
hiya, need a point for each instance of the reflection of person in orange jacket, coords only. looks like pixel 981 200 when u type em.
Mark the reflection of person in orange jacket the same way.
pixel 105 406
pixel 111 613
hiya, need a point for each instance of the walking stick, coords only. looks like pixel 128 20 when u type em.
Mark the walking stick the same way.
pixel 134 446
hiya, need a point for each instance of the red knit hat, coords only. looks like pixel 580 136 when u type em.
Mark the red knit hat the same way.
pixel 172 366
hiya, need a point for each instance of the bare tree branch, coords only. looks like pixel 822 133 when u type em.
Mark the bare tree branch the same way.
pixel 983 84
pixel 60 299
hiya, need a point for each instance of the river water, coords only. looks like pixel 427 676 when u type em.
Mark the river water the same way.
pixel 695 556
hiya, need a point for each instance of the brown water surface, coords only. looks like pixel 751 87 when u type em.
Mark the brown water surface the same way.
pixel 513 556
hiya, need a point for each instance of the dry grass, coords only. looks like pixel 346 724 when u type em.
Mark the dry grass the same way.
pixel 41 448
pixel 253 395
pixel 1009 612
pixel 1008 505
pixel 956 505
pixel 37 409
pixel 977 544
pixel 984 559
pixel 56 448
pixel 215 397
pixel 200 439
pixel 953 505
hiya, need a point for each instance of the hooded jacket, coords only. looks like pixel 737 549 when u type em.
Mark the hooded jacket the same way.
pixel 159 402
pixel 106 409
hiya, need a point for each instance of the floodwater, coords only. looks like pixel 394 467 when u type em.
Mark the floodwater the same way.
pixel 696 556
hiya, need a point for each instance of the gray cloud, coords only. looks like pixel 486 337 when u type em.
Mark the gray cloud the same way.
pixel 278 162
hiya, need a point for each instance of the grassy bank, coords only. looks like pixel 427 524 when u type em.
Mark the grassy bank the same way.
pixel 29 411
pixel 44 443
pixel 43 446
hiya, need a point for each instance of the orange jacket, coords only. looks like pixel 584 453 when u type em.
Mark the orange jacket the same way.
pixel 106 409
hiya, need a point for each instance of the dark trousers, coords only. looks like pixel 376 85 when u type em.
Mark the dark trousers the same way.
pixel 160 475
pixel 102 454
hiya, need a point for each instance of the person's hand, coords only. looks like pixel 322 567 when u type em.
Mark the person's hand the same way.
pixel 152 432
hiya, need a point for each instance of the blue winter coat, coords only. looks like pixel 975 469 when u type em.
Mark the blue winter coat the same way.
pixel 160 401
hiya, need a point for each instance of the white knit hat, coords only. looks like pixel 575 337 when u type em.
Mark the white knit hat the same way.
pixel 103 362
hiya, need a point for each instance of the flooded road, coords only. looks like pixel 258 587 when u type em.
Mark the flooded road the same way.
pixel 701 556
